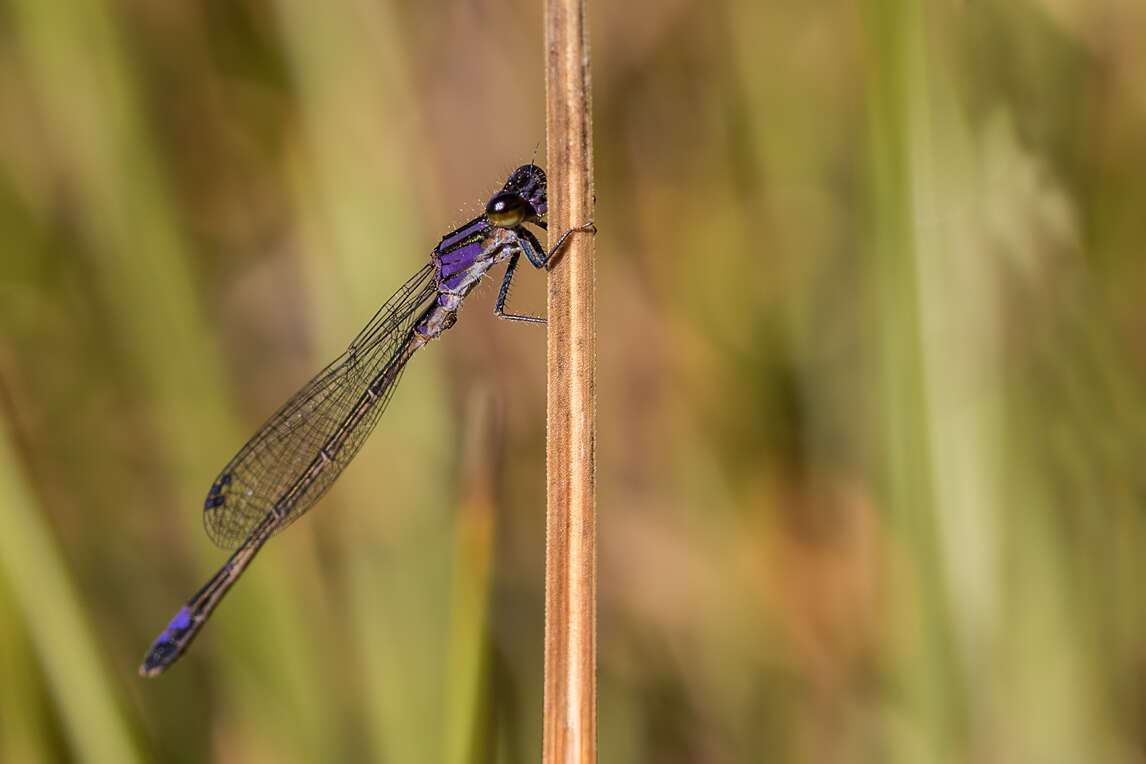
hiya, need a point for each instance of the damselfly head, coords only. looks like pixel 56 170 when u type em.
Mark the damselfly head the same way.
pixel 523 198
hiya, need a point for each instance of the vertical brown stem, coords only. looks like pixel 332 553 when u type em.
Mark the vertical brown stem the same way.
pixel 570 724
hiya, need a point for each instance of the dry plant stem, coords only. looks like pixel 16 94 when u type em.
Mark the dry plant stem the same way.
pixel 570 715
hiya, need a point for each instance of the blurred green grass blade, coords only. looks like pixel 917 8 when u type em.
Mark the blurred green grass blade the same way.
pixel 93 98
pixel 468 721
pixel 90 97
pixel 25 729
pixel 922 658
pixel 468 718
pixel 65 645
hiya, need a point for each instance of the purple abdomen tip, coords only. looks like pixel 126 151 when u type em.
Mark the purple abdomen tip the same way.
pixel 180 622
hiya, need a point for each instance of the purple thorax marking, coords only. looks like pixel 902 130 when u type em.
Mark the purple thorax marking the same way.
pixel 475 226
pixel 460 259
pixel 453 282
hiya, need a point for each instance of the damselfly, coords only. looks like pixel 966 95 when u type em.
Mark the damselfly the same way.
pixel 295 457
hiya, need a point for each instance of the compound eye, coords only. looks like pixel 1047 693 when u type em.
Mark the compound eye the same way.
pixel 507 210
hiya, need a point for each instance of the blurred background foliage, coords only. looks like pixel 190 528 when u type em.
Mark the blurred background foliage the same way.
pixel 871 293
